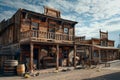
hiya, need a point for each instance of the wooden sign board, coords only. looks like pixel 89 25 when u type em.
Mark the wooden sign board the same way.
pixel 103 35
pixel 51 12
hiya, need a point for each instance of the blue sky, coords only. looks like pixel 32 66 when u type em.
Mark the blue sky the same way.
pixel 91 15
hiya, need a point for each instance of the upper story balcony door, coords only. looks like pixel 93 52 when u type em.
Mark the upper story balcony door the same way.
pixel 35 28
pixel 51 30
pixel 66 33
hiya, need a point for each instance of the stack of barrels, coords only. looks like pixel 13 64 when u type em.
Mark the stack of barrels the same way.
pixel 10 67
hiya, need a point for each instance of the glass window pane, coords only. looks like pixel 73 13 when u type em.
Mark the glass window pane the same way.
pixel 35 26
pixel 66 30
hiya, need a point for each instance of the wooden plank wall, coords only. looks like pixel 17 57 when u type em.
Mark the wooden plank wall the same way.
pixel 43 26
pixel 111 43
pixel 17 27
pixel 25 26
pixel 96 42
pixel 11 33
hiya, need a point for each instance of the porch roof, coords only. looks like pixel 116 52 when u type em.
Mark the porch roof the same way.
pixel 107 48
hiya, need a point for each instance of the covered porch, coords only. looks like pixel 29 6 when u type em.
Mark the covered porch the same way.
pixel 104 54
pixel 47 55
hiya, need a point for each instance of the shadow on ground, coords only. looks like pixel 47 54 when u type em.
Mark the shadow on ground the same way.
pixel 113 76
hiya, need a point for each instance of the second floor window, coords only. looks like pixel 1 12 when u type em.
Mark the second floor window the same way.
pixel 35 26
pixel 66 30
pixel 52 27
pixel 103 43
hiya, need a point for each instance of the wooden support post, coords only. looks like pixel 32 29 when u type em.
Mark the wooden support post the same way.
pixel 118 54
pixel 21 57
pixel 21 54
pixel 107 56
pixel 92 52
pixel 112 55
pixel 99 56
pixel 39 58
pixel 57 59
pixel 74 55
pixel 31 57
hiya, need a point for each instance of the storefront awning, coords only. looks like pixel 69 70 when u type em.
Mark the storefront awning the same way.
pixel 103 47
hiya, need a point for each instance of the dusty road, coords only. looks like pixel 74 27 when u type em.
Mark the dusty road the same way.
pixel 79 74
pixel 109 73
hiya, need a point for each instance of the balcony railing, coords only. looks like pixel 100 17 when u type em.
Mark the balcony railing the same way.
pixel 35 34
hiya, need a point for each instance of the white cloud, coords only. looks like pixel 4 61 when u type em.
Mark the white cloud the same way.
pixel 87 31
pixel 6 14
pixel 69 17
pixel 103 10
pixel 93 30
pixel 82 6
pixel 63 5
pixel 16 4
pixel 107 8
pixel 100 10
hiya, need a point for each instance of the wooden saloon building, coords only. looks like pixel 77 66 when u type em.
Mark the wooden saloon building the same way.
pixel 99 49
pixel 46 40
pixel 41 39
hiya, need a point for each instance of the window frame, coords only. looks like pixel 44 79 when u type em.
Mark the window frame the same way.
pixel 35 26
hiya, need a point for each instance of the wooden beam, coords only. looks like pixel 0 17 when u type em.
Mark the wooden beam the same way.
pixel 21 57
pixel 113 55
pixel 107 55
pixel 57 59
pixel 118 54
pixel 31 57
pixel 99 55
pixel 74 55
pixel 90 53
pixel 39 57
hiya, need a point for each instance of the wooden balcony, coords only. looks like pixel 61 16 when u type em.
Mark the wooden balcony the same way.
pixel 41 36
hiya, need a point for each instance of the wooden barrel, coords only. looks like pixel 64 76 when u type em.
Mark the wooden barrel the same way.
pixel 20 69
pixel 10 63
pixel 10 67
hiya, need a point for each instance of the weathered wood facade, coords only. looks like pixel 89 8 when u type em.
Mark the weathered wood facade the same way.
pixel 38 36
pixel 100 49
pixel 119 47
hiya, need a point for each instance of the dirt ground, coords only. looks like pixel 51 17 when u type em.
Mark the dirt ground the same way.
pixel 78 74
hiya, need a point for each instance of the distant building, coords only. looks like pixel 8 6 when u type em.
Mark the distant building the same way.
pixel 101 49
